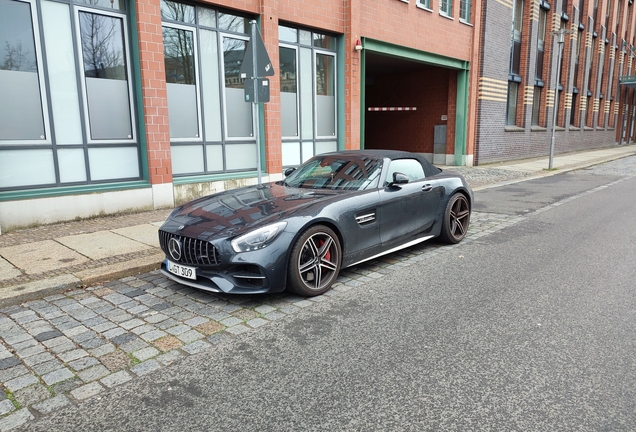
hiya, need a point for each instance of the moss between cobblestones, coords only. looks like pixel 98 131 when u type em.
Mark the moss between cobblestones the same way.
pixel 133 360
pixel 50 389
pixel 13 400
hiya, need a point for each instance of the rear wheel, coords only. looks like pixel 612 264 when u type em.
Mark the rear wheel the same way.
pixel 456 219
pixel 314 261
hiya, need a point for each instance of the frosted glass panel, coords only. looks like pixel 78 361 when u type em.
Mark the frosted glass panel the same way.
pixel 308 150
pixel 289 114
pixel 288 92
pixel 72 167
pixel 62 75
pixel 240 156
pixel 291 153
pixel 326 115
pixel 182 111
pixel 210 81
pixel 113 163
pixel 239 114
pixel 325 95
pixel 306 95
pixel 215 157
pixel 187 159
pixel 26 168
pixel 108 109
pixel 20 106
pixel 326 147
pixel 207 17
pixel 21 115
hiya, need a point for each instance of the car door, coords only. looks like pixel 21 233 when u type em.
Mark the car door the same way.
pixel 407 210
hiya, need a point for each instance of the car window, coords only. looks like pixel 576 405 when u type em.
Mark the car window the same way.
pixel 337 172
pixel 412 168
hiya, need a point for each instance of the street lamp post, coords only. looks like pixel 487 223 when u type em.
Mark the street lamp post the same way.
pixel 561 34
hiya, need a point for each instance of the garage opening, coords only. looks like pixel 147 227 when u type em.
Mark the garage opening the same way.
pixel 410 106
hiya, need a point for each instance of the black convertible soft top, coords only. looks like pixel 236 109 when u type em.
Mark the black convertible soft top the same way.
pixel 429 168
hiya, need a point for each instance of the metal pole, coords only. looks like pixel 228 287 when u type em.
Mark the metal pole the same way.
pixel 256 106
pixel 556 97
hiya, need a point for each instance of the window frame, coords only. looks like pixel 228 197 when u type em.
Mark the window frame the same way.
pixel 333 55
pixel 298 107
pixel 226 137
pixel 42 83
pixel 197 81
pixel 424 4
pixel 465 10
pixel 77 8
pixel 446 8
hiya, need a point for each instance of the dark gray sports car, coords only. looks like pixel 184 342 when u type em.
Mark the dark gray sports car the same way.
pixel 335 211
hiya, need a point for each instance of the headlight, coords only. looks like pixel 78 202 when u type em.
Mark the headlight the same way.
pixel 259 238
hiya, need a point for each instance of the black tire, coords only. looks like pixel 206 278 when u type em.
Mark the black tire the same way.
pixel 314 262
pixel 456 219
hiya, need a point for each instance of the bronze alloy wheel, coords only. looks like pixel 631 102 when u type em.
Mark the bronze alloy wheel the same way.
pixel 315 261
pixel 456 219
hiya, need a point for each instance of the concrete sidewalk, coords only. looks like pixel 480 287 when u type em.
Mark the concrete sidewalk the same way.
pixel 35 262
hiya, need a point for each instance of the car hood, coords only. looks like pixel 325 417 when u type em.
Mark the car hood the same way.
pixel 231 213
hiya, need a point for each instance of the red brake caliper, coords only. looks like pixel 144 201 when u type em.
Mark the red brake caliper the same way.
pixel 328 254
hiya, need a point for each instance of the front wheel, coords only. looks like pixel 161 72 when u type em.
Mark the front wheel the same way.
pixel 314 262
pixel 456 219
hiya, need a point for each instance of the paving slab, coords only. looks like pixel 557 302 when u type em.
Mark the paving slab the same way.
pixel 7 270
pixel 41 257
pixel 102 244
pixel 146 234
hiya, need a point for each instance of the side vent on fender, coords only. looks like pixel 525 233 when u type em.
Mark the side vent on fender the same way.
pixel 366 218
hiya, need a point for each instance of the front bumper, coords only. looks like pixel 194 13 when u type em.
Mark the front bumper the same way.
pixel 256 272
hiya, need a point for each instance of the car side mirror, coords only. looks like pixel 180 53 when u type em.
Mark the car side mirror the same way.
pixel 398 179
pixel 288 171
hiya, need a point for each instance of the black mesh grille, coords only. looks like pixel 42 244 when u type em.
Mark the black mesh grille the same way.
pixel 193 251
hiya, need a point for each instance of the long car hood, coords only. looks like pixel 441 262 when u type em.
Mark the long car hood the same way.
pixel 231 213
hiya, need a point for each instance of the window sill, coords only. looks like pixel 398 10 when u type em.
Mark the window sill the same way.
pixel 587 128
pixel 443 15
pixel 610 129
pixel 538 129
pixel 514 129
pixel 574 128
pixel 465 22
pixel 419 6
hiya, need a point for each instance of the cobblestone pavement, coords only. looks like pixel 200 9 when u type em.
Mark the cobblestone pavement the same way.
pixel 70 347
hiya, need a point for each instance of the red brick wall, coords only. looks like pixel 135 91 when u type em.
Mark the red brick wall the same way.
pixel 391 21
pixel 154 93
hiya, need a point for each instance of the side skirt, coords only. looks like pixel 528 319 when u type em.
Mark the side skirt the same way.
pixel 395 249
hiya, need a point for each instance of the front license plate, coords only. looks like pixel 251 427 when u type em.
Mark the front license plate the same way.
pixel 181 270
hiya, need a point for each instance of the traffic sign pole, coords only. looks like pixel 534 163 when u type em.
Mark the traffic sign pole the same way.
pixel 256 101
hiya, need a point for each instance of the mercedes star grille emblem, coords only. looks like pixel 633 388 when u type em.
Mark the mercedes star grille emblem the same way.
pixel 174 248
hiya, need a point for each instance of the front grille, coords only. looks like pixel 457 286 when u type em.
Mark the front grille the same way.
pixel 192 251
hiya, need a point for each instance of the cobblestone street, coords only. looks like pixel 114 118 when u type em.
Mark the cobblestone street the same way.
pixel 69 347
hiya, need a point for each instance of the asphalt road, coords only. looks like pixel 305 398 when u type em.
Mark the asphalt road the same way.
pixel 530 328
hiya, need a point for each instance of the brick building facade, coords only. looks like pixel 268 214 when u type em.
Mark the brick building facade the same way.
pixel 517 80
pixel 138 104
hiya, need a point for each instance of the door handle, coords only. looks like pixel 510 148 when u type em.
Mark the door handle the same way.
pixel 427 187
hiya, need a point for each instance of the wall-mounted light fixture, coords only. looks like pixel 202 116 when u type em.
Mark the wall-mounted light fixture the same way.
pixel 358 45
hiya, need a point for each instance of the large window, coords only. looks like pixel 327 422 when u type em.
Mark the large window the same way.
pixel 538 74
pixel 69 121
pixel 464 10
pixel 514 77
pixel 211 125
pixel 446 7
pixel 308 93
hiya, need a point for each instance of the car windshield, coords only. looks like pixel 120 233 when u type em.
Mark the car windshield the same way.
pixel 337 172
